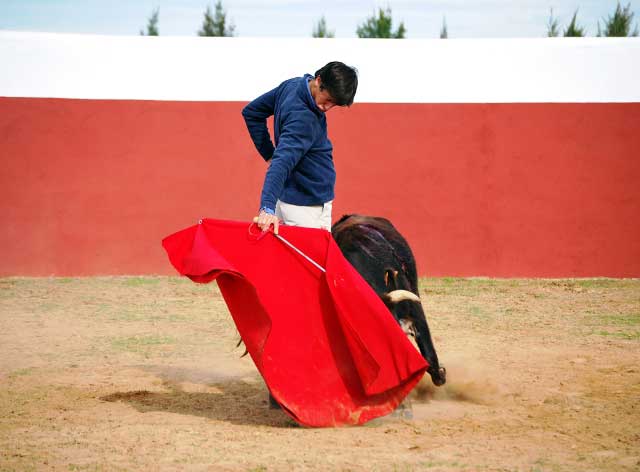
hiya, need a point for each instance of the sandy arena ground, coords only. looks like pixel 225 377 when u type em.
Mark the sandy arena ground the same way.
pixel 128 373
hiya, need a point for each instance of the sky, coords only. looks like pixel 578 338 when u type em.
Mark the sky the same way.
pixel 296 18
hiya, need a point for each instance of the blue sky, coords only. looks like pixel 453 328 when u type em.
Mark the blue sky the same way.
pixel 296 18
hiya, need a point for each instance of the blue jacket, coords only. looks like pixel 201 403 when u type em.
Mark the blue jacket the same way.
pixel 301 170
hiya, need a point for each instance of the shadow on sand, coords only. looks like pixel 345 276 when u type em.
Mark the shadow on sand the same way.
pixel 235 401
pixel 244 401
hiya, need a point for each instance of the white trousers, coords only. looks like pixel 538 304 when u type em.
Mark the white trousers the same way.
pixel 317 216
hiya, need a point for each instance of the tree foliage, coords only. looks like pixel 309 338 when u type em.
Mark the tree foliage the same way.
pixel 619 25
pixel 216 24
pixel 573 30
pixel 380 26
pixel 444 34
pixel 321 31
pixel 553 27
pixel 152 24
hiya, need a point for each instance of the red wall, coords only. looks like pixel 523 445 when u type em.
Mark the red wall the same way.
pixel 538 190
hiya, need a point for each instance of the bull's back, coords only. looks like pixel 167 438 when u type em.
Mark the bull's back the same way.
pixel 373 246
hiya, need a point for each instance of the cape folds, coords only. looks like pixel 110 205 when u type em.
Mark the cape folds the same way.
pixel 327 347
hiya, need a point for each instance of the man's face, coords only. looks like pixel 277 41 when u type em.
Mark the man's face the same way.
pixel 324 101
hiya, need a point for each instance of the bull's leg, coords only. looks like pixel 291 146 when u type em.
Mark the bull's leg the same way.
pixel 423 338
pixel 404 410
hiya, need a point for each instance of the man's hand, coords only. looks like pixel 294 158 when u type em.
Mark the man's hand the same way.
pixel 264 220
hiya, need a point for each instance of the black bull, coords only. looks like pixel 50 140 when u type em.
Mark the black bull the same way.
pixel 384 259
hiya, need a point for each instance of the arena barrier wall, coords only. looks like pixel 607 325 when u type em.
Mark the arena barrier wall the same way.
pixel 500 158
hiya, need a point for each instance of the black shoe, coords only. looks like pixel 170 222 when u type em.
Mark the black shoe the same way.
pixel 273 404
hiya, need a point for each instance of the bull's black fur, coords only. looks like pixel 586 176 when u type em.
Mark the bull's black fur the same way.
pixel 379 242
pixel 384 259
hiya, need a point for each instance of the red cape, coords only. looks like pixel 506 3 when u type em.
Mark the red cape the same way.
pixel 327 347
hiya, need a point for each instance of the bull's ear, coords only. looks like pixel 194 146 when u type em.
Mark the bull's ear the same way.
pixel 390 279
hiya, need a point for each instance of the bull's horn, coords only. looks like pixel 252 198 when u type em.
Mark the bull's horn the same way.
pixel 399 295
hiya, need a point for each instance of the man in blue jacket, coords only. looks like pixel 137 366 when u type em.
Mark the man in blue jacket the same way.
pixel 299 185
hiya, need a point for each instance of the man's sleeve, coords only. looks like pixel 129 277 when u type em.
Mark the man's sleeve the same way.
pixel 295 140
pixel 255 116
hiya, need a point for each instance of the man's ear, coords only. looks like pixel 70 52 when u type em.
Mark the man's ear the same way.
pixel 319 83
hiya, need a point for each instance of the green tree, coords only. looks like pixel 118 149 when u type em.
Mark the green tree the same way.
pixel 443 31
pixel 553 27
pixel 380 26
pixel 619 24
pixel 216 24
pixel 321 31
pixel 152 24
pixel 573 30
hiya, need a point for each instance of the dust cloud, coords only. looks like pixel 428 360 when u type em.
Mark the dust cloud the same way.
pixel 466 382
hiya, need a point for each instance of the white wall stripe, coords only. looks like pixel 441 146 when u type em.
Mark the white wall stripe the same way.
pixel 391 71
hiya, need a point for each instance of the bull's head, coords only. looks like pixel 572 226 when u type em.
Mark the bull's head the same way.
pixel 406 308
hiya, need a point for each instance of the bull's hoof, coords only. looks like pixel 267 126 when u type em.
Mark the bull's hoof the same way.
pixel 439 378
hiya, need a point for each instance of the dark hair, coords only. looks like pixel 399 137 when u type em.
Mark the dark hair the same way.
pixel 340 80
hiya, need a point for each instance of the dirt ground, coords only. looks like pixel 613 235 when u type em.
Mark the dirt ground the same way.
pixel 129 373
